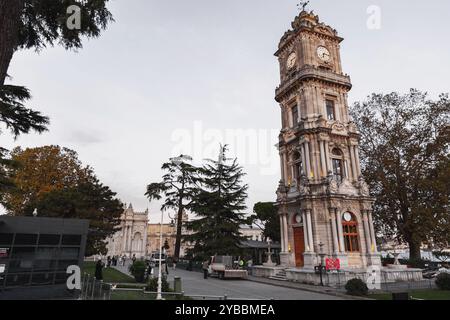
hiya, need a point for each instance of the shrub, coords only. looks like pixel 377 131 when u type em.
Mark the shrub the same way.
pixel 443 281
pixel 152 285
pixel 137 269
pixel 356 287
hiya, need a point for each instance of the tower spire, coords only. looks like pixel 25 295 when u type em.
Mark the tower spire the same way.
pixel 302 5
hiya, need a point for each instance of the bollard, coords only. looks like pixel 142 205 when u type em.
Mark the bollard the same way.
pixel 100 291
pixel 225 297
pixel 93 288
pixel 177 284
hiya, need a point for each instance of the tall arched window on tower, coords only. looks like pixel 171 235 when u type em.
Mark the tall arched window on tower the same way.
pixel 298 166
pixel 331 112
pixel 338 167
pixel 294 111
pixel 350 228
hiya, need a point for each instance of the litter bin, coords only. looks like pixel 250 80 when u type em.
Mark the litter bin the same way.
pixel 177 285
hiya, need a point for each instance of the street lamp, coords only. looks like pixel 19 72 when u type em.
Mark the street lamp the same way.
pixel 159 295
pixel 322 257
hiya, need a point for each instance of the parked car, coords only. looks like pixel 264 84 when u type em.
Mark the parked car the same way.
pixel 154 258
pixel 223 267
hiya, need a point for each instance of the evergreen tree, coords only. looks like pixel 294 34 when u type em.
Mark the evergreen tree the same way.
pixel 266 218
pixel 176 187
pixel 218 204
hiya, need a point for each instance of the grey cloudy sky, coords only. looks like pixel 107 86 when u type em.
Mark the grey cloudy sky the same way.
pixel 169 72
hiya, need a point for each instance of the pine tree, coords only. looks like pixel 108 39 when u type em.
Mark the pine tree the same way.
pixel 176 187
pixel 218 204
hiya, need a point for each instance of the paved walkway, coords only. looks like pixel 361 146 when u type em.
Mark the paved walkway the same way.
pixel 194 285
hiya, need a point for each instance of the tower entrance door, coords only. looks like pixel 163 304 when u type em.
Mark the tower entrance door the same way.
pixel 299 246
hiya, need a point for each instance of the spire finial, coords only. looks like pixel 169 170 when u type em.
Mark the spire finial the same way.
pixel 303 5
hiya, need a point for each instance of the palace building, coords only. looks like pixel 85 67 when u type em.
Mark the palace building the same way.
pixel 323 201
pixel 131 238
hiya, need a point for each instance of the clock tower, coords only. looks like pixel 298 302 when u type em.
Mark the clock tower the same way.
pixel 323 201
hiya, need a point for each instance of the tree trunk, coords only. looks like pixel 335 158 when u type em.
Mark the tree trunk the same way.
pixel 10 11
pixel 178 236
pixel 414 251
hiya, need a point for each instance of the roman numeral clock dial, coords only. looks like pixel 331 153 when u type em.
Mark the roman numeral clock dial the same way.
pixel 323 54
pixel 291 60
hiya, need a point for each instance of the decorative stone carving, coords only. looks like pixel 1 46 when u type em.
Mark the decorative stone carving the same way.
pixel 332 185
pixel 339 129
pixel 346 187
pixel 281 191
pixel 303 187
pixel 363 187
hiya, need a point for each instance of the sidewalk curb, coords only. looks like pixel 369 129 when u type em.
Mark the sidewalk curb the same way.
pixel 295 286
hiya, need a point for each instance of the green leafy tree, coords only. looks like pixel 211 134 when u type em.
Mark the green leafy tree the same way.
pixel 52 180
pixel 36 24
pixel 405 160
pixel 176 188
pixel 90 200
pixel 39 171
pixel 218 203
pixel 266 218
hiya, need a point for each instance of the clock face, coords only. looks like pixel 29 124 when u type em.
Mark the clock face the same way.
pixel 292 59
pixel 348 217
pixel 323 54
pixel 298 218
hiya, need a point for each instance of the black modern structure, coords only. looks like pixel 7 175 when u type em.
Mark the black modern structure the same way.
pixel 35 254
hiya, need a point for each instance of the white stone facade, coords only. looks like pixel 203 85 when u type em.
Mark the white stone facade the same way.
pixel 131 238
pixel 323 201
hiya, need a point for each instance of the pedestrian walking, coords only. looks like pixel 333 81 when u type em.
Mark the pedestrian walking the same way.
pixel 174 264
pixel 205 268
pixel 99 270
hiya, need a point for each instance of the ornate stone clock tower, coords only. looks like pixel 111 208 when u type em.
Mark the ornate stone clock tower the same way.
pixel 323 202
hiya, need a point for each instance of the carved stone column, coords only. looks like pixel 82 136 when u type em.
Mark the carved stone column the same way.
pixel 310 231
pixel 305 233
pixel 372 232
pixel 340 232
pixel 308 160
pixel 366 231
pixel 334 230
pixel 283 245
pixel 286 232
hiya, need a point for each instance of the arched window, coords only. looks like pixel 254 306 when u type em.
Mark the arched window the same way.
pixel 294 113
pixel 338 164
pixel 298 166
pixel 350 228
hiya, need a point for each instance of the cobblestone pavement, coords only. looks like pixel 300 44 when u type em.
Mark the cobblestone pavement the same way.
pixel 194 284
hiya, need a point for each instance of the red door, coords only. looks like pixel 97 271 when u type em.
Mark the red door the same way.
pixel 299 246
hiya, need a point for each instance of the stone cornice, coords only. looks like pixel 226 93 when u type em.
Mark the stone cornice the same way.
pixel 311 73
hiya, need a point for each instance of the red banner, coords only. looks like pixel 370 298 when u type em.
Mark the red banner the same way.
pixel 333 264
pixel 4 252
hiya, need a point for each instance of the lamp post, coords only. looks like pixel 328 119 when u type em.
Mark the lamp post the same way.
pixel 322 256
pixel 159 295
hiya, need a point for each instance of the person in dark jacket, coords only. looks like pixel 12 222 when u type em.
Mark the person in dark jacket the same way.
pixel 99 270
pixel 205 267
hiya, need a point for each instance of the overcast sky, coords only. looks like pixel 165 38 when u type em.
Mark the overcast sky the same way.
pixel 178 76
